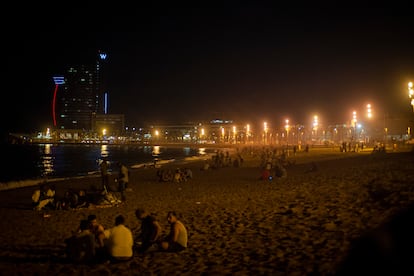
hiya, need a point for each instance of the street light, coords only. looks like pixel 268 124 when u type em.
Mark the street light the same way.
pixel 368 131
pixel 202 134
pixel 157 133
pixel 411 93
pixel 315 125
pixel 265 129
pixel 354 121
pixel 369 111
pixel 287 132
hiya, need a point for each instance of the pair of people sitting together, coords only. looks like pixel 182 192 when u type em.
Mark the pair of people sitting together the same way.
pixel 91 243
pixel 150 238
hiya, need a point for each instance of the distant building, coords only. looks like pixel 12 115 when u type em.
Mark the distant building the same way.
pixel 80 94
pixel 108 124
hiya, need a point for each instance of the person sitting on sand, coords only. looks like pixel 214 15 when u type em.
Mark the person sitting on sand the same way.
pixel 177 239
pixel 80 247
pixel 188 174
pixel 150 230
pixel 120 242
pixel 178 176
pixel 97 230
pixel 44 197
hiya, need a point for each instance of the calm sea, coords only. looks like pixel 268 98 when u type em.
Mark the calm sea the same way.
pixel 28 162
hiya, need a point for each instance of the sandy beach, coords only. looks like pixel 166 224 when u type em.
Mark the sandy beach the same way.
pixel 238 224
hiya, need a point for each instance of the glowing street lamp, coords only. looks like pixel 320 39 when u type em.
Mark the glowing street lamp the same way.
pixel 315 124
pixel 354 121
pixel 354 118
pixel 157 133
pixel 247 132
pixel 369 111
pixel 411 93
pixel 265 129
pixel 287 131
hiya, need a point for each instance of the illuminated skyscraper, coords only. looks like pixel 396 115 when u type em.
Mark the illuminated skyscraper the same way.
pixel 79 94
pixel 101 82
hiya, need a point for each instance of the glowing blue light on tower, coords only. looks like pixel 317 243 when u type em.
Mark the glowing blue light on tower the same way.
pixel 102 55
pixel 106 103
pixel 59 80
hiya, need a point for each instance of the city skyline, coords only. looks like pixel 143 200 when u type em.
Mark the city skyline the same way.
pixel 245 62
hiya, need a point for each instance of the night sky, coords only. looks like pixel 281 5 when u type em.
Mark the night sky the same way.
pixel 246 62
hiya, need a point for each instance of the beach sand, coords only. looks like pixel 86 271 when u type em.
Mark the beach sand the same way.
pixel 238 224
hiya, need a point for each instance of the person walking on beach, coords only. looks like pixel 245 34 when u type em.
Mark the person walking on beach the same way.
pixel 177 239
pixel 120 241
pixel 150 230
pixel 104 174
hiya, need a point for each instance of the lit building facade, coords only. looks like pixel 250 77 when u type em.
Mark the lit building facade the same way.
pixel 79 94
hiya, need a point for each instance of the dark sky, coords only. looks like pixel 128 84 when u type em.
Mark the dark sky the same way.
pixel 246 62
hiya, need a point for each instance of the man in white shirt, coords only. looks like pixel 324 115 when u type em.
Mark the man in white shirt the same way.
pixel 119 241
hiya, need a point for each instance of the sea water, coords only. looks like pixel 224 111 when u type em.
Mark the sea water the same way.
pixel 49 161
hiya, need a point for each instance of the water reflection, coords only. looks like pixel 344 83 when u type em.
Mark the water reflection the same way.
pixel 202 151
pixel 156 151
pixel 187 150
pixel 104 151
pixel 47 160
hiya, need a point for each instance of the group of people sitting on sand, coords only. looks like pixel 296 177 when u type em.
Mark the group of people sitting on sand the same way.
pixel 44 198
pixel 92 243
pixel 179 175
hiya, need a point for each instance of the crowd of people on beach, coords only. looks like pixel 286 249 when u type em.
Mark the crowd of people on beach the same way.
pixel 91 242
pixel 44 197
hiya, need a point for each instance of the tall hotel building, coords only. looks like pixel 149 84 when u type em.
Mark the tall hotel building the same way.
pixel 79 96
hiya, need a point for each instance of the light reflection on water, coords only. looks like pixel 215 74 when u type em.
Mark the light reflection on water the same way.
pixel 51 160
pixel 47 161
pixel 104 151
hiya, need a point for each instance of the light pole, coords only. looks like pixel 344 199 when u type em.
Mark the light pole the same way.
pixel 369 115
pixel 247 133
pixel 411 93
pixel 265 129
pixel 287 133
pixel 315 126
pixel 354 121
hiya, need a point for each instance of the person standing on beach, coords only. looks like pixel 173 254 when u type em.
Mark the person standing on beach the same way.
pixel 123 179
pixel 104 174
pixel 150 230
pixel 177 239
